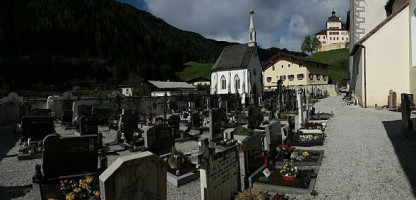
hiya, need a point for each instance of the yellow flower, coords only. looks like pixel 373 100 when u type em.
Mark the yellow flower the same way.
pixel 88 179
pixel 70 196
pixel 305 154
pixel 76 190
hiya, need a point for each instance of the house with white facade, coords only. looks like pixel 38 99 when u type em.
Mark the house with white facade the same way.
pixel 335 36
pixel 384 58
pixel 238 69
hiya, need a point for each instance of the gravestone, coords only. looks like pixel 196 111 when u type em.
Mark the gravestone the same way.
pixel 219 171
pixel 273 136
pixel 129 120
pixel 64 156
pixel 251 157
pixel 40 112
pixel 392 101
pixel 254 117
pixel 37 128
pixel 216 116
pixel 174 121
pixel 102 114
pixel 84 110
pixel 195 120
pixel 300 107
pixel 137 176
pixel 407 123
pixel 159 139
pixel 67 117
pixel 88 125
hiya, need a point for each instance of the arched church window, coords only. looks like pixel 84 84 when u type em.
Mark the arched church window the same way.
pixel 237 82
pixel 223 83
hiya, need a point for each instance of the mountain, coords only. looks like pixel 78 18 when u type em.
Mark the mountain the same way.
pixel 57 41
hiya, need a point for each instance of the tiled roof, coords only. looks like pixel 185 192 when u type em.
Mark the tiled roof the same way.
pixel 377 28
pixel 234 57
pixel 171 85
pixel 280 56
pixel 333 19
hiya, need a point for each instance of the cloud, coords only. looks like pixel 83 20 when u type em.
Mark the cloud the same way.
pixel 278 23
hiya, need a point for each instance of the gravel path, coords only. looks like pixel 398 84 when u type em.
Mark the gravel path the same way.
pixel 366 157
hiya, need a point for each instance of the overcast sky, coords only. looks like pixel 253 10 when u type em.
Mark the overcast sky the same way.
pixel 279 23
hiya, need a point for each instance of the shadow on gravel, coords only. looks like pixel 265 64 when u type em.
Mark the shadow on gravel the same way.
pixel 405 150
pixel 12 192
pixel 8 140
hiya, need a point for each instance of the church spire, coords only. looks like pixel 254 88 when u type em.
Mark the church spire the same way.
pixel 252 31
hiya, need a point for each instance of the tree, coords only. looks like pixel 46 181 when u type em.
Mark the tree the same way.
pixel 315 44
pixel 306 45
pixel 310 45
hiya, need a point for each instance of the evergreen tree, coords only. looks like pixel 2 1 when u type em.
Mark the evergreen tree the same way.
pixel 306 44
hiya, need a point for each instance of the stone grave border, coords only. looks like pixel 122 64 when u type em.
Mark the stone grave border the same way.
pixel 298 163
pixel 284 189
pixel 182 179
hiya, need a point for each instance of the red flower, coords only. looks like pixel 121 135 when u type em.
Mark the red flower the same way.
pixel 283 146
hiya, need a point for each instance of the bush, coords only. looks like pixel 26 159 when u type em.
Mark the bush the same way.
pixel 251 194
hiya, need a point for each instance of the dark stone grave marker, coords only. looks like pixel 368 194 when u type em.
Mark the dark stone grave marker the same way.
pixel 88 125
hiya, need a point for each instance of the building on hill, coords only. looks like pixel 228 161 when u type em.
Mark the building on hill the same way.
pixel 384 58
pixel 160 88
pixel 200 81
pixel 293 70
pixel 238 69
pixel 335 36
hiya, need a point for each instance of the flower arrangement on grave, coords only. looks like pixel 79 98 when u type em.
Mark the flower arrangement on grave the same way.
pixel 312 126
pixel 283 151
pixel 86 188
pixel 299 156
pixel 279 196
pixel 239 130
pixel 251 193
pixel 228 142
pixel 289 171
pixel 176 158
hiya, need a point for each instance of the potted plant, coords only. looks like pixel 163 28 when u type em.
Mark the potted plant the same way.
pixel 176 159
pixel 289 171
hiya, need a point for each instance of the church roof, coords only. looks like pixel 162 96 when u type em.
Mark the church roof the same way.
pixel 234 57
pixel 333 19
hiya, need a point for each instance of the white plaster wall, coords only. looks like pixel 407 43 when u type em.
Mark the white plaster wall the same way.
pixel 357 81
pixel 216 81
pixel 256 72
pixel 388 60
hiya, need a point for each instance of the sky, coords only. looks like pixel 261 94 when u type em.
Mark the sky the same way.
pixel 278 23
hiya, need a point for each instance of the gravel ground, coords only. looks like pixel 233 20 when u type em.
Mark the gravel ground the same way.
pixel 366 157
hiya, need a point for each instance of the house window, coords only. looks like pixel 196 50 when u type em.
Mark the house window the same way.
pixel 223 83
pixel 269 79
pixel 283 77
pixel 282 66
pixel 273 68
pixel 318 77
pixel 325 77
pixel 300 76
pixel 237 82
pixel 310 76
pixel 291 77
pixel 288 65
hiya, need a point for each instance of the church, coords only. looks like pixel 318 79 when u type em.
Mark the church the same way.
pixel 238 69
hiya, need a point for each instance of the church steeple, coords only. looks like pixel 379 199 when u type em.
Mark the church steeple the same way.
pixel 252 31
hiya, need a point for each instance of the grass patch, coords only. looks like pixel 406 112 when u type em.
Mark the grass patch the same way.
pixel 194 69
pixel 339 59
